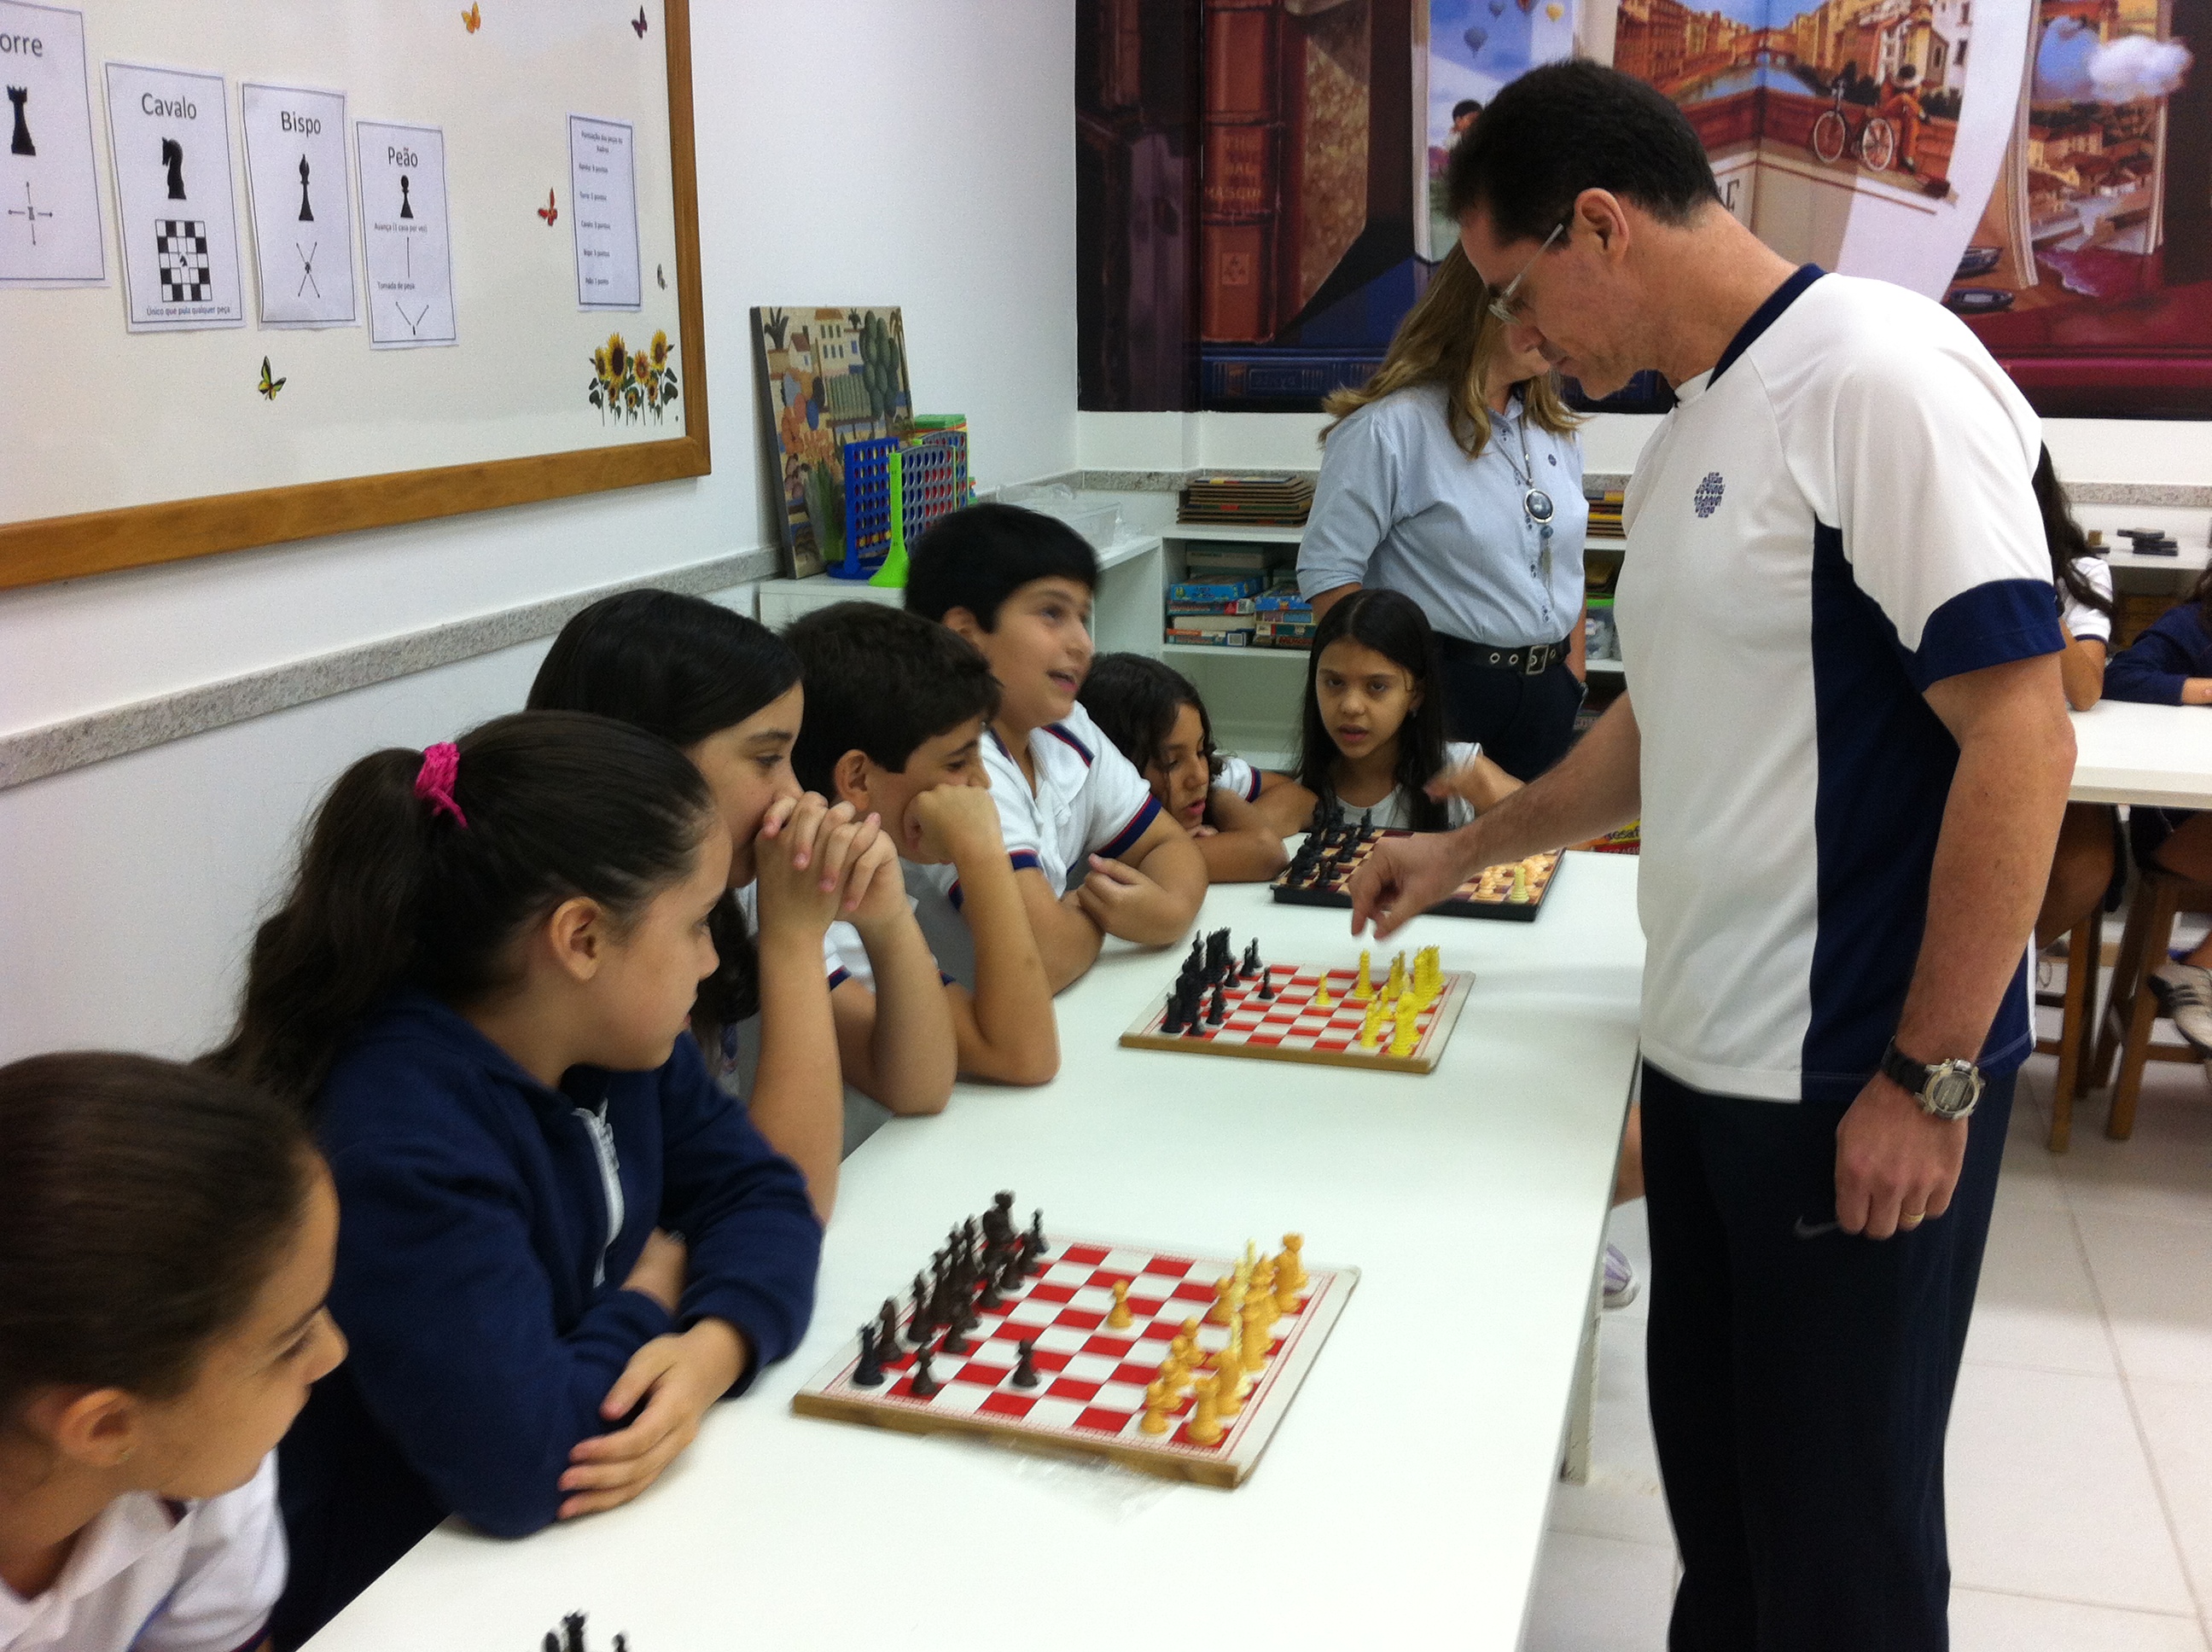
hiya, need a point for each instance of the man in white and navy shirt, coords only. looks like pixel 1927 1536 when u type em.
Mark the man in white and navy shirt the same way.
pixel 1846 739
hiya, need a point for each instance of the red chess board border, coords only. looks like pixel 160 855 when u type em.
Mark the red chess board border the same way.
pixel 1289 1029
pixel 1464 902
pixel 1090 1397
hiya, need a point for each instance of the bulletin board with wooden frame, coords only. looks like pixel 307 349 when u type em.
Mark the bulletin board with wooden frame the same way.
pixel 125 448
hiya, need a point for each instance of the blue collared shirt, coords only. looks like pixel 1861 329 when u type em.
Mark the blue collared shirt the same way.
pixel 1399 504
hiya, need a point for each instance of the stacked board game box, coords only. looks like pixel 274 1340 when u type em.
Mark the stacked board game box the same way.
pixel 1230 596
pixel 1280 499
pixel 1605 510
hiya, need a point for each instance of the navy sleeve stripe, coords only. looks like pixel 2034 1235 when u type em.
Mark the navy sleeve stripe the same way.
pixel 1120 844
pixel 839 976
pixel 1023 860
pixel 1062 735
pixel 1253 795
pixel 1991 624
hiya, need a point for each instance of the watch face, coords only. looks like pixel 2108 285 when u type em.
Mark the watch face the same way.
pixel 1950 1090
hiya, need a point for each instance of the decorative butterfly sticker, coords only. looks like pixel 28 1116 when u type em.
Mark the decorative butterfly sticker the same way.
pixel 549 211
pixel 268 385
pixel 472 18
pixel 638 22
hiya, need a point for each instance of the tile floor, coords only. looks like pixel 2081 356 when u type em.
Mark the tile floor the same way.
pixel 2081 1454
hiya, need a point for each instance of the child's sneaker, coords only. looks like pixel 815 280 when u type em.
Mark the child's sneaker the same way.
pixel 2184 992
pixel 1619 1277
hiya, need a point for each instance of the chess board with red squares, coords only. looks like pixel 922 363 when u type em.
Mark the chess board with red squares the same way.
pixel 1291 1026
pixel 1090 1397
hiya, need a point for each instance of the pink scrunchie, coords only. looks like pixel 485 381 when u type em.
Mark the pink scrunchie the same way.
pixel 434 782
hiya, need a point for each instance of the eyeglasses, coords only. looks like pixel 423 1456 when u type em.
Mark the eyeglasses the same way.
pixel 1502 306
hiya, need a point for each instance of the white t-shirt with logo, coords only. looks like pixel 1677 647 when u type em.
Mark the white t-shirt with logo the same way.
pixel 1396 812
pixel 157 1574
pixel 1839 515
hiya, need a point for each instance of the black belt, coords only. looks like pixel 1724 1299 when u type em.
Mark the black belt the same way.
pixel 1531 661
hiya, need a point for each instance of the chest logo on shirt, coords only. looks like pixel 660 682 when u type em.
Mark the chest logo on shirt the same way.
pixel 1707 498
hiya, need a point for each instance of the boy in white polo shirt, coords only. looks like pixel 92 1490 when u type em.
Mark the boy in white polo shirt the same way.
pixel 1094 855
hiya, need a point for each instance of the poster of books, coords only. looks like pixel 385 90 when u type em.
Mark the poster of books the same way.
pixel 828 376
pixel 2044 169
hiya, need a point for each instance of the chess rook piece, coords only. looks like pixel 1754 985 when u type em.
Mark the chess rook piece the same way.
pixel 173 157
pixel 925 1380
pixel 406 205
pixel 21 143
pixel 1025 1370
pixel 869 1373
pixel 307 212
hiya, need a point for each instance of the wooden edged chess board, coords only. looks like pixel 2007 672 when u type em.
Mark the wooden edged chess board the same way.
pixel 1487 894
pixel 1290 1028
pixel 1091 1398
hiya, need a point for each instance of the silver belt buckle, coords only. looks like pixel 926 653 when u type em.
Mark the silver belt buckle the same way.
pixel 1536 661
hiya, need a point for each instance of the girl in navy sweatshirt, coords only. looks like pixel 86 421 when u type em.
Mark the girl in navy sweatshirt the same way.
pixel 2170 665
pixel 560 1241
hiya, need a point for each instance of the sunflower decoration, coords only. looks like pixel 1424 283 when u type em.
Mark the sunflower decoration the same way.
pixel 629 383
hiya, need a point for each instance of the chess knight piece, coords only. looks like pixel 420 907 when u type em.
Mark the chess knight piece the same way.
pixel 173 157
pixel 21 143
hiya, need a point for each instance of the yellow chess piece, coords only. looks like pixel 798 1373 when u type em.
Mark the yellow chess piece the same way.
pixel 1205 1419
pixel 1323 998
pixel 1119 1319
pixel 1287 1294
pixel 1405 1033
pixel 1156 1401
pixel 1364 988
pixel 1229 1389
pixel 1290 1266
pixel 1395 985
pixel 1518 894
pixel 1218 1315
pixel 1371 1025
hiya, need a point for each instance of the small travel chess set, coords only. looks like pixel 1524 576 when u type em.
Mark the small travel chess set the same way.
pixel 1222 1005
pixel 1320 875
pixel 1177 1365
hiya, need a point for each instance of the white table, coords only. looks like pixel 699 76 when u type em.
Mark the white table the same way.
pixel 1404 1499
pixel 2127 752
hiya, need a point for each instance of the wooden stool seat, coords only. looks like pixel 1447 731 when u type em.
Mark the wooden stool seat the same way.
pixel 2085 950
pixel 2131 1010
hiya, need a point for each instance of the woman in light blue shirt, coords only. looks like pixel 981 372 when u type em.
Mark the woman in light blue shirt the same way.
pixel 1455 477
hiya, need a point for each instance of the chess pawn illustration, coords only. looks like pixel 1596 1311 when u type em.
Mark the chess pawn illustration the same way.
pixel 307 212
pixel 21 143
pixel 406 206
pixel 173 157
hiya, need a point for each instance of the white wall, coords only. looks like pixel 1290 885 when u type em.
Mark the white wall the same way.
pixel 852 152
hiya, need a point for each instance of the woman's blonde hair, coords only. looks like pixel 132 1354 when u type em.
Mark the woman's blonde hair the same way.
pixel 1449 338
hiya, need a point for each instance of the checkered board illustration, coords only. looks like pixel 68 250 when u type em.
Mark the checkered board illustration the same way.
pixel 1091 1396
pixel 1321 879
pixel 1290 1027
pixel 182 244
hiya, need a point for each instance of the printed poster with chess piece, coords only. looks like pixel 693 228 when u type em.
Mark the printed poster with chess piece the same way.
pixel 296 175
pixel 175 215
pixel 49 182
pixel 404 232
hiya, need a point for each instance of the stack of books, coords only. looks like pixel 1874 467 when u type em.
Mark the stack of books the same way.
pixel 1238 596
pixel 1280 499
pixel 1604 514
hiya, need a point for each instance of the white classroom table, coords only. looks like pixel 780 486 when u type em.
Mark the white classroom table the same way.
pixel 1404 1499
pixel 2128 752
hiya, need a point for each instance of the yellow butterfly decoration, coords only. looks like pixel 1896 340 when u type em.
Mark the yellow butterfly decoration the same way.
pixel 473 17
pixel 269 386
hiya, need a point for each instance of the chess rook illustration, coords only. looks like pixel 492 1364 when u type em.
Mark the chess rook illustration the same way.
pixel 173 157
pixel 21 142
pixel 1175 1364
pixel 182 246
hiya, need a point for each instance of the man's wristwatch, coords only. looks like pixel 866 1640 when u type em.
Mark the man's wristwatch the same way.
pixel 1949 1089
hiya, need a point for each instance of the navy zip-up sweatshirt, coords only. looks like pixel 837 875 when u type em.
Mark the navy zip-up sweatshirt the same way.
pixel 2153 667
pixel 486 1224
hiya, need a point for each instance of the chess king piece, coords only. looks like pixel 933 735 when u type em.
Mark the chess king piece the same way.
pixel 406 205
pixel 21 143
pixel 173 157
pixel 307 212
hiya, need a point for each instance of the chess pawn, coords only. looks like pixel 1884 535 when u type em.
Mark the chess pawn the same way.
pixel 1290 1266
pixel 1322 998
pixel 1156 1401
pixel 1119 1319
pixel 1205 1427
pixel 1364 988
pixel 1219 1313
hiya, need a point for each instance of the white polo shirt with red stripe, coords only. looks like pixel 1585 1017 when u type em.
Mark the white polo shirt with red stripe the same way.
pixel 157 1575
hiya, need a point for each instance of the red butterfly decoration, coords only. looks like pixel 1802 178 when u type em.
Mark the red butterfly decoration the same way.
pixel 638 22
pixel 549 211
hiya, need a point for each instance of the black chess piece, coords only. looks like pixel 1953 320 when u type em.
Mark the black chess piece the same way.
pixel 941 1304
pixel 887 1334
pixel 954 1341
pixel 925 1380
pixel 571 1632
pixel 1025 1370
pixel 1035 1248
pixel 990 1299
pixel 917 1329
pixel 1011 1271
pixel 307 212
pixel 1171 1019
pixel 552 1642
pixel 622 1642
pixel 406 206
pixel 173 157
pixel 1251 959
pixel 1267 993
pixel 869 1373
pixel 1216 1009
pixel 998 1220
pixel 21 143
pixel 1196 961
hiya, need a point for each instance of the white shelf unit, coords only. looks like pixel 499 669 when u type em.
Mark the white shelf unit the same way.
pixel 1253 696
